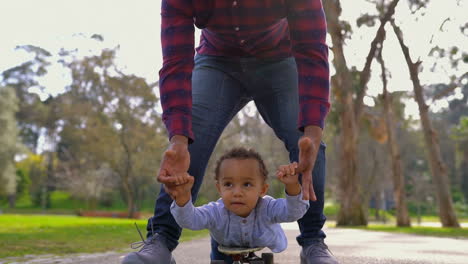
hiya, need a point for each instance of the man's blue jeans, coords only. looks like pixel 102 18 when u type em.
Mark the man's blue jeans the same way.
pixel 220 88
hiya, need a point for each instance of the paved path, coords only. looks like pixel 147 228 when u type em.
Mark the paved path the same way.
pixel 350 246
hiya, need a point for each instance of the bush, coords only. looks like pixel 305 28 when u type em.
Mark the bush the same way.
pixel 63 200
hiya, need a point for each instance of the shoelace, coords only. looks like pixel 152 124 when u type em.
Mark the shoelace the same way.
pixel 325 246
pixel 139 244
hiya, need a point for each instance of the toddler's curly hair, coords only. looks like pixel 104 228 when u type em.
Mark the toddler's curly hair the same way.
pixel 242 153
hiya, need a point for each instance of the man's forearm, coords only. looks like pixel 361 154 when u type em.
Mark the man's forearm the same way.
pixel 314 133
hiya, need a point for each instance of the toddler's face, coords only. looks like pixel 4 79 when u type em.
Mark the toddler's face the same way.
pixel 240 185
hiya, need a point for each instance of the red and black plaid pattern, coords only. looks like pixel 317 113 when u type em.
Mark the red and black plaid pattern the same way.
pixel 272 29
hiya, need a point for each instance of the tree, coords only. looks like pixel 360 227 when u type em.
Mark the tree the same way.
pixel 24 78
pixel 9 143
pixel 349 93
pixel 108 117
pixel 399 192
pixel 437 165
pixel 460 134
pixel 33 167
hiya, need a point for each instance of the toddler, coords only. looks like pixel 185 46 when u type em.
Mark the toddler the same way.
pixel 244 216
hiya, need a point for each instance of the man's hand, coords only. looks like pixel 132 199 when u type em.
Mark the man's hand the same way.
pixel 174 165
pixel 308 149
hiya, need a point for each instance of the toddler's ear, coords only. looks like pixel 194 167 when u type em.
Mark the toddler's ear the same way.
pixel 218 187
pixel 264 189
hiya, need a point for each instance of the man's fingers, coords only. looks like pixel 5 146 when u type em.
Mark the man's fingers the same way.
pixel 190 179
pixel 308 187
pixel 305 186
pixel 171 191
pixel 305 192
pixel 313 197
pixel 294 168
pixel 165 178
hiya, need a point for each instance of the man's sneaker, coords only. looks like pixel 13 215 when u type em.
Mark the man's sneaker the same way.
pixel 154 251
pixel 317 253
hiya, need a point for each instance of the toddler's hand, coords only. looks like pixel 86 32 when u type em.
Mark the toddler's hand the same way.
pixel 181 187
pixel 287 174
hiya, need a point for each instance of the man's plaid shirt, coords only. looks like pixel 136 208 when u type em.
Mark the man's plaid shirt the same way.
pixel 271 29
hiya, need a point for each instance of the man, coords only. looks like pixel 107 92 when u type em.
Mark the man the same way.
pixel 270 51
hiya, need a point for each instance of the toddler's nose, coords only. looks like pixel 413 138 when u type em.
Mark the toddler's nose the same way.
pixel 237 191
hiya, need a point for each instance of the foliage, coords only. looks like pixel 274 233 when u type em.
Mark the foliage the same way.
pixel 22 188
pixel 460 135
pixel 460 132
pixel 24 79
pixel 108 132
pixel 33 168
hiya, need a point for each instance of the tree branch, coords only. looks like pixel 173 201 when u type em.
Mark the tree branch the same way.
pixel 365 73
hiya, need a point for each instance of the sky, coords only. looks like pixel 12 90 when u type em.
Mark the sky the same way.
pixel 134 26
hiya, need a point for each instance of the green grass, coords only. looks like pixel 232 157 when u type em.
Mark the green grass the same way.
pixel 421 230
pixel 46 234
pixel 436 218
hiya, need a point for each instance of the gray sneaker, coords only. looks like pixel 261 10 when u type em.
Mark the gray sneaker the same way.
pixel 317 253
pixel 154 251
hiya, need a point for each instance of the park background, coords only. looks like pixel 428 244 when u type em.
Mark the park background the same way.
pixel 81 130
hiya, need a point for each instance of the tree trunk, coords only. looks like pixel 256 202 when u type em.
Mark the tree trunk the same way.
pixel 464 173
pixel 399 193
pixel 11 200
pixel 438 169
pixel 129 194
pixel 351 210
pixel 131 205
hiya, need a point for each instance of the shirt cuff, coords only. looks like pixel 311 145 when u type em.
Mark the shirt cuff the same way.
pixel 297 199
pixel 180 211
pixel 313 114
pixel 179 125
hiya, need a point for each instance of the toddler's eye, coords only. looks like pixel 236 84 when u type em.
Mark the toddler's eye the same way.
pixel 247 184
pixel 227 184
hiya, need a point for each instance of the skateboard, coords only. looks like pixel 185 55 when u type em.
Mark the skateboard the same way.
pixel 244 255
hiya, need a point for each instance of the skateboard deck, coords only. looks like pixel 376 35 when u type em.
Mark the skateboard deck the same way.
pixel 237 250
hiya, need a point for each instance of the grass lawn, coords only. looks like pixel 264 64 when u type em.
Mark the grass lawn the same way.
pixel 48 234
pixel 421 230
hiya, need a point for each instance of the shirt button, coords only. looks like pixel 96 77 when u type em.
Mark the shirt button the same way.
pixel 236 28
pixel 234 3
pixel 242 42
pixel 244 221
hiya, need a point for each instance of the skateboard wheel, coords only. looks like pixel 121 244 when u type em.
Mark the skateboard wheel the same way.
pixel 217 262
pixel 267 258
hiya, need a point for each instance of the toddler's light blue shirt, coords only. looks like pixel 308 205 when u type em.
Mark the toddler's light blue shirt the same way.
pixel 260 229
